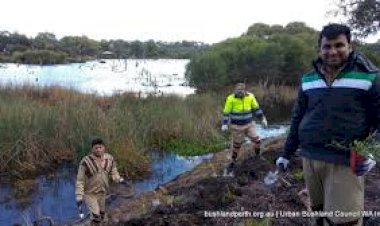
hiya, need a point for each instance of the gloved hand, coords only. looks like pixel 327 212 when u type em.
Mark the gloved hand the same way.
pixel 361 165
pixel 264 122
pixel 282 163
pixel 79 202
pixel 224 128
pixel 122 181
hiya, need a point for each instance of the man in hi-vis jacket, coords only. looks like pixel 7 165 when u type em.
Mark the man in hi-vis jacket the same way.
pixel 240 108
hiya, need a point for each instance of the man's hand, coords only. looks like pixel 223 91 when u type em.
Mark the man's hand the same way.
pixel 361 165
pixel 122 181
pixel 282 163
pixel 264 122
pixel 365 167
pixel 224 128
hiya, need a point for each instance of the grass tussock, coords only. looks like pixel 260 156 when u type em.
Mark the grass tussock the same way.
pixel 272 95
pixel 277 101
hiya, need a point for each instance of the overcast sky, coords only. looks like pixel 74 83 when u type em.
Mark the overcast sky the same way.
pixel 209 21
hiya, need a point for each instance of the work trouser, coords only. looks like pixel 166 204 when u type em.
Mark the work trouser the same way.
pixel 96 204
pixel 239 132
pixel 334 189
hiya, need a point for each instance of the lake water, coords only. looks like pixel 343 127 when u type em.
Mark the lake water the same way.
pixel 54 194
pixel 163 76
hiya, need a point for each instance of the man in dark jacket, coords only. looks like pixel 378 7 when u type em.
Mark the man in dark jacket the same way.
pixel 338 103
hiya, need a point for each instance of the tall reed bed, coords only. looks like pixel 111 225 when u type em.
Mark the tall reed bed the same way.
pixel 39 127
pixel 276 100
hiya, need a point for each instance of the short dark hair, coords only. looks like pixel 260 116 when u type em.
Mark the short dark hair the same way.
pixel 333 30
pixel 96 141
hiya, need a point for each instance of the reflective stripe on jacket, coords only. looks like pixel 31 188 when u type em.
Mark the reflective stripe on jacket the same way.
pixel 342 112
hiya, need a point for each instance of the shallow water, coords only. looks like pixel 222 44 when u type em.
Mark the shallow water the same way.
pixel 54 194
pixel 163 76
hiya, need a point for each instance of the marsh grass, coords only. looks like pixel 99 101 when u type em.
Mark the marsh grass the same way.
pixel 39 127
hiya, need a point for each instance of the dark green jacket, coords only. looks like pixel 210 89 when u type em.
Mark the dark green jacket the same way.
pixel 347 110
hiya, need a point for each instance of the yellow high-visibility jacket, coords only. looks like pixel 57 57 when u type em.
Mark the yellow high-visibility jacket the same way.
pixel 241 110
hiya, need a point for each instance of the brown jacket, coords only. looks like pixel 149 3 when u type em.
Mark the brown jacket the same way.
pixel 93 175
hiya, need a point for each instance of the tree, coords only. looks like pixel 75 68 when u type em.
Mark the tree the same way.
pixel 4 40
pixel 120 48
pixel 270 54
pixel 362 15
pixel 137 49
pixel 45 40
pixel 208 71
pixel 16 42
pixel 298 27
pixel 262 30
pixel 82 46
pixel 151 49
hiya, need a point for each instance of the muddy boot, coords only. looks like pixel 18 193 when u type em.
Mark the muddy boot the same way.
pixel 318 221
pixel 257 143
pixel 96 223
pixel 96 220
pixel 257 150
pixel 103 217
pixel 234 156
pixel 230 169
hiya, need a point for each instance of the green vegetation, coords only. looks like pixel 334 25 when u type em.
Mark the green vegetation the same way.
pixel 363 15
pixel 41 127
pixel 263 55
pixel 185 148
pixel 45 48
pixel 298 174
pixel 368 146
pixel 38 57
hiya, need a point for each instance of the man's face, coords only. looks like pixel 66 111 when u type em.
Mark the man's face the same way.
pixel 98 150
pixel 334 52
pixel 240 90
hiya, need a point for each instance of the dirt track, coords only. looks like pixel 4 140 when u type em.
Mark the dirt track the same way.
pixel 184 200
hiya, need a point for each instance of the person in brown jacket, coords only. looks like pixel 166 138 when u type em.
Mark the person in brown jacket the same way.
pixel 93 177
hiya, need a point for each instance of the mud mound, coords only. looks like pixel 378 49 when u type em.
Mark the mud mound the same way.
pixel 195 198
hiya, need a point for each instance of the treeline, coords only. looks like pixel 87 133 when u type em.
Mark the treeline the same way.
pixel 45 48
pixel 264 54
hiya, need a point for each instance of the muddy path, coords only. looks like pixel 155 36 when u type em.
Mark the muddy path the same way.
pixel 191 197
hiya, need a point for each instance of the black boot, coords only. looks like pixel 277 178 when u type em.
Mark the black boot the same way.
pixel 234 156
pixel 231 169
pixel 257 149
pixel 319 220
pixel 103 216
pixel 96 220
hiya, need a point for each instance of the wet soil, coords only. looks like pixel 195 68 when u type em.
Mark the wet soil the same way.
pixel 185 200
